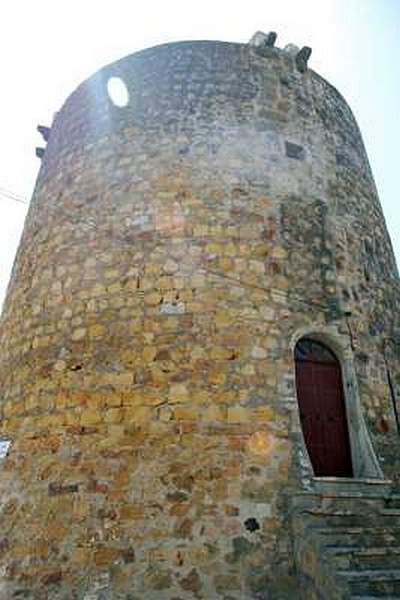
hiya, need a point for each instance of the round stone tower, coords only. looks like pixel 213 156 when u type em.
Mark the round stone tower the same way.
pixel 177 250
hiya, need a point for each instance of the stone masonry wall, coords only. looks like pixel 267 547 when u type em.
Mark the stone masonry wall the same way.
pixel 173 251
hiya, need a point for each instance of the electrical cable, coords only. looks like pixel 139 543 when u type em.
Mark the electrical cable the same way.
pixel 9 195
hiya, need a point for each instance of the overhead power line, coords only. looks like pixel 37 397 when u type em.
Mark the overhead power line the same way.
pixel 9 195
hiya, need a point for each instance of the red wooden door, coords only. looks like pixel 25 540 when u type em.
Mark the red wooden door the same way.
pixel 322 410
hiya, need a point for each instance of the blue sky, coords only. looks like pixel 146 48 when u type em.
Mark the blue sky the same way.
pixel 47 48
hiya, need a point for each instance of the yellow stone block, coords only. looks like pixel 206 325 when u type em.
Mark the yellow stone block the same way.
pixel 132 511
pixel 153 298
pixel 225 396
pixel 248 370
pixel 230 249
pixel 152 398
pixel 178 392
pixel 114 415
pixel 132 398
pixel 179 283
pixel 90 417
pixel 238 414
pixel 135 326
pixel 31 402
pixel 105 556
pixel 114 288
pixel 225 264
pixel 131 284
pixel 198 352
pixel 221 353
pixel 200 397
pixel 113 399
pixel 200 231
pixel 183 413
pixel 57 420
pixel 223 319
pixel 71 418
pixel 279 253
pixel 111 273
pixel 214 248
pixel 195 307
pixel 263 413
pixel 138 414
pixel 152 268
pixel 96 331
pixel 257 266
pixel 217 378
pixel 10 409
pixel 117 302
pixel 97 290
pixel 78 334
pixel 115 432
pixel 149 353
pixel 165 282
pixel 165 414
pixel 186 295
pixel 170 323
pixel 117 378
pixel 81 556
pixel 240 265
pixel 215 413
pixel 243 396
pixel 198 280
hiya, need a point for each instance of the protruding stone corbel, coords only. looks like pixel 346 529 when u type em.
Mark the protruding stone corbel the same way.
pixel 302 58
pixel 44 132
pixel 271 39
pixel 261 39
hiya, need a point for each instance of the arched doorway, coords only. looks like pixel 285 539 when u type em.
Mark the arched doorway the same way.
pixel 322 409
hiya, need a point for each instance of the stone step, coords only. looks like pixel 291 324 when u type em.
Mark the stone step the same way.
pixel 361 537
pixel 356 535
pixel 353 501
pixel 370 551
pixel 371 558
pixel 382 583
pixel 384 575
pixel 348 518
pixel 393 501
pixel 347 490
pixel 374 597
pixel 394 512
pixel 351 487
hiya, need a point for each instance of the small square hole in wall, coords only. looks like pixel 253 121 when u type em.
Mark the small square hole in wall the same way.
pixel 4 448
pixel 295 151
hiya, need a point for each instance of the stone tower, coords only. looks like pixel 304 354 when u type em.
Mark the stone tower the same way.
pixel 185 257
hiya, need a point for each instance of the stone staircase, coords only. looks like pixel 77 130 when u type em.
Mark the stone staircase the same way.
pixel 346 539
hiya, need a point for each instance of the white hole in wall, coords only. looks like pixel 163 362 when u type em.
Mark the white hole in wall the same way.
pixel 4 447
pixel 117 91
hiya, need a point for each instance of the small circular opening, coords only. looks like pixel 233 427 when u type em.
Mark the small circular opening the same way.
pixel 117 91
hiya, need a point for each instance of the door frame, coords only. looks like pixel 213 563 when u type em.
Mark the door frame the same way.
pixel 363 457
pixel 331 451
